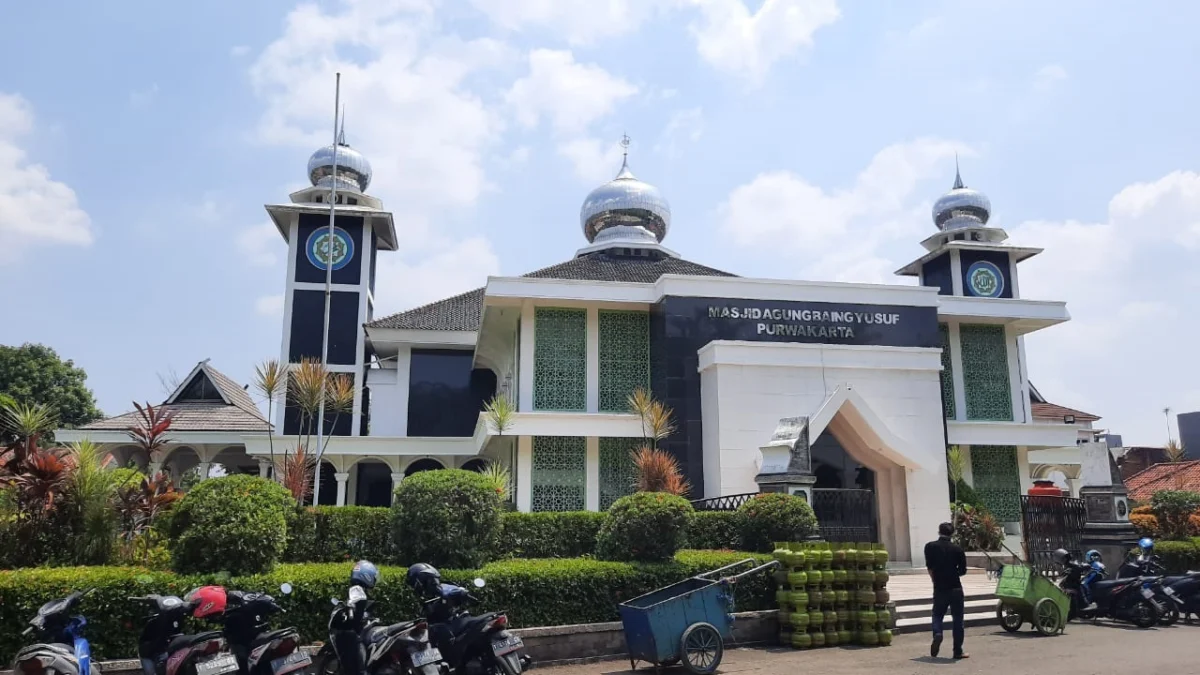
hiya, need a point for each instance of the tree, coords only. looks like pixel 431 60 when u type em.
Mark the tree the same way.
pixel 33 374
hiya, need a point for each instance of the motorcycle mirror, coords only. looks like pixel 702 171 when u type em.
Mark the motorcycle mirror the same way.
pixel 479 583
pixel 286 588
pixel 333 601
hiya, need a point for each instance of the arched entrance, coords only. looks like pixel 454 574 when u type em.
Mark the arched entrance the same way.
pixel 328 496
pixel 373 483
pixel 844 499
pixel 420 465
pixel 477 464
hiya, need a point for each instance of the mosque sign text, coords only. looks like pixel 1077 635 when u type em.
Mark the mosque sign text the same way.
pixel 811 323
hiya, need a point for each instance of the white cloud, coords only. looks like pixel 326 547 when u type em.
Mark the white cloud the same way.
pixel 260 245
pixel 594 160
pixel 685 126
pixel 735 40
pixel 1048 77
pixel 270 306
pixel 34 209
pixel 850 227
pixel 576 21
pixel 449 269
pixel 405 85
pixel 1130 284
pixel 570 95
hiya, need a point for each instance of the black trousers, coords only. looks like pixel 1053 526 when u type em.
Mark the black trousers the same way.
pixel 952 600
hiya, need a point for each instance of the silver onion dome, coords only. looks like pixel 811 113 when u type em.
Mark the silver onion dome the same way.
pixel 961 207
pixel 625 209
pixel 353 170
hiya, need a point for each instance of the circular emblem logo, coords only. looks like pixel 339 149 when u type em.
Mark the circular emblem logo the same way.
pixel 321 248
pixel 985 280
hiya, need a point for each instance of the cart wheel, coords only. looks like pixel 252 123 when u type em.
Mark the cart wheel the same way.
pixel 700 649
pixel 1010 619
pixel 1047 617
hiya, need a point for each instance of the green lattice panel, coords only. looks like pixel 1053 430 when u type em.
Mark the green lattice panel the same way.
pixel 947 373
pixel 560 359
pixel 617 474
pixel 997 480
pixel 985 372
pixel 559 473
pixel 624 357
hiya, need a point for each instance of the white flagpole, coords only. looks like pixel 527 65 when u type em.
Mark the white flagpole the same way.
pixel 337 95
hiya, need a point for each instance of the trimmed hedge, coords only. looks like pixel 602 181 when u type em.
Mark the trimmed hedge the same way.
pixel 235 524
pixel 774 516
pixel 715 530
pixel 1179 556
pixel 646 526
pixel 551 535
pixel 446 518
pixel 535 593
pixel 339 534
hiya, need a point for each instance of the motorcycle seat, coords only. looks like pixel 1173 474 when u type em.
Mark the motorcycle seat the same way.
pixel 271 636
pixel 183 641
pixel 380 633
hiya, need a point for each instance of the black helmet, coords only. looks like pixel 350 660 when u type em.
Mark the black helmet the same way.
pixel 1061 556
pixel 423 578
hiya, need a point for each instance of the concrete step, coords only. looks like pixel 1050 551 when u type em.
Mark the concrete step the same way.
pixel 924 611
pixel 928 600
pixel 925 624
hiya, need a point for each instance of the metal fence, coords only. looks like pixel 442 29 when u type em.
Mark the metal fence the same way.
pixel 846 515
pixel 726 503
pixel 1051 523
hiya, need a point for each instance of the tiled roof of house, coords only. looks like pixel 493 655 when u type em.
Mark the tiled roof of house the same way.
pixel 464 311
pixel 1169 476
pixel 1050 410
pixel 240 414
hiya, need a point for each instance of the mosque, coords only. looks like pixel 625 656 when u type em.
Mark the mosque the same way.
pixel 846 393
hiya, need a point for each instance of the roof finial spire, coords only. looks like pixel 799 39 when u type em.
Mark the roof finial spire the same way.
pixel 342 132
pixel 958 184
pixel 625 172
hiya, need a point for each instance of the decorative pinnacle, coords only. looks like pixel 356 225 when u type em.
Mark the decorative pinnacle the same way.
pixel 625 172
pixel 958 183
pixel 342 132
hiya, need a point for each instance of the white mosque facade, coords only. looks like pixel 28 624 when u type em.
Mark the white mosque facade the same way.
pixel 875 381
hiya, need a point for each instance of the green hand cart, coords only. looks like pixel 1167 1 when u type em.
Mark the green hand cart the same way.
pixel 1026 595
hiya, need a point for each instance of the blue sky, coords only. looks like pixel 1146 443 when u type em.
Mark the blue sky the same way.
pixel 794 138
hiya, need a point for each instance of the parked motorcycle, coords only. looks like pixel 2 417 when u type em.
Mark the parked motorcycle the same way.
pixel 1122 599
pixel 260 650
pixel 164 649
pixel 359 643
pixel 1181 592
pixel 472 645
pixel 63 649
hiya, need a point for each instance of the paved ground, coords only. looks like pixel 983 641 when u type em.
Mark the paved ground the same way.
pixel 909 586
pixel 1102 649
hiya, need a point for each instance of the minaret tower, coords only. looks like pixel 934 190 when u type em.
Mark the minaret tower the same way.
pixel 361 229
pixel 967 257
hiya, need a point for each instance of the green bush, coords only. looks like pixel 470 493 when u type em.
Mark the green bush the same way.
pixel 338 534
pixel 447 518
pixel 1179 557
pixel 774 516
pixel 714 530
pixel 569 534
pixel 645 526
pixel 234 524
pixel 966 494
pixel 535 593
pixel 1173 508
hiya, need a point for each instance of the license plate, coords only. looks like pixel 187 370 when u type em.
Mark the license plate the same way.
pixel 218 666
pixel 424 658
pixel 297 660
pixel 507 645
pixel 1147 593
pixel 1169 591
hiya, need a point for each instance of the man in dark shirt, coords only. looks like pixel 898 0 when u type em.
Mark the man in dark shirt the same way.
pixel 946 563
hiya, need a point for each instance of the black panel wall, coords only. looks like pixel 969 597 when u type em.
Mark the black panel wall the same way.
pixel 937 273
pixel 335 425
pixel 308 320
pixel 445 394
pixel 997 258
pixel 306 271
pixel 679 327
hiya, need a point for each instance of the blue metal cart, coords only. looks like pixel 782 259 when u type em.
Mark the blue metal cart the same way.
pixel 686 622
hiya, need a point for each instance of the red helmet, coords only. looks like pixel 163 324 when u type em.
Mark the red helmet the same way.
pixel 207 601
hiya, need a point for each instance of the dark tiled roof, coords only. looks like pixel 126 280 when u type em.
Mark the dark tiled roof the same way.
pixel 190 417
pixel 1058 411
pixel 463 312
pixel 233 391
pixel 1176 476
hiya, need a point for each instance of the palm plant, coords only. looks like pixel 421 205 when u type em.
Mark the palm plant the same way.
pixel 27 424
pixel 40 482
pixel 150 433
pixel 657 419
pixel 270 379
pixel 305 387
pixel 1174 452
pixel 499 478
pixel 297 474
pixel 658 471
pixel 92 490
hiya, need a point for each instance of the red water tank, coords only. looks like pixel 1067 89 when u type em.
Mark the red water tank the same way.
pixel 1044 488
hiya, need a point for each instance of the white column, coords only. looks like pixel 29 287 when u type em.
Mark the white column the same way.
pixel 203 468
pixel 1014 374
pixel 264 469
pixel 592 377
pixel 399 414
pixel 397 476
pixel 525 376
pixel 1026 407
pixel 956 367
pixel 1012 274
pixel 956 278
pixel 524 473
pixel 592 482
pixel 341 479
